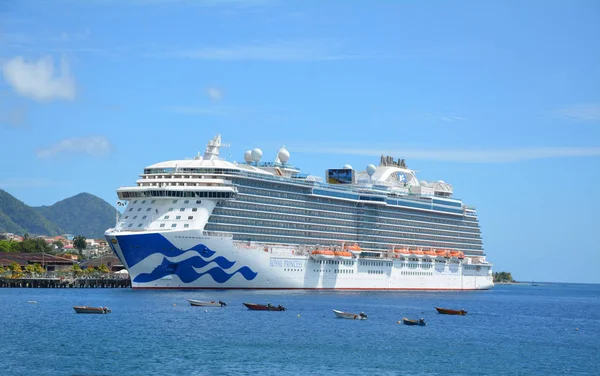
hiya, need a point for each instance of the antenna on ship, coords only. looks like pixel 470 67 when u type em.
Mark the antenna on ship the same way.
pixel 212 148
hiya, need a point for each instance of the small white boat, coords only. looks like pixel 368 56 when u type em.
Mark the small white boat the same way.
pixel 351 316
pixel 201 303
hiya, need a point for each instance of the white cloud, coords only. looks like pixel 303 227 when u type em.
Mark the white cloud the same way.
pixel 464 156
pixel 580 112
pixel 94 146
pixel 214 93
pixel 37 79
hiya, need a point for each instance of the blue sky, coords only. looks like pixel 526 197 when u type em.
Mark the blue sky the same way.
pixel 499 98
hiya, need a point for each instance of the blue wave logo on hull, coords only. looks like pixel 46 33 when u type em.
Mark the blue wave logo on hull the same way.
pixel 186 272
pixel 136 248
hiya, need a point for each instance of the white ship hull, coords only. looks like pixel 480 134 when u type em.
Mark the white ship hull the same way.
pixel 192 260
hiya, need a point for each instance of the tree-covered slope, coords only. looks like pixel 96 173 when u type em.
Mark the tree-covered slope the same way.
pixel 18 218
pixel 83 214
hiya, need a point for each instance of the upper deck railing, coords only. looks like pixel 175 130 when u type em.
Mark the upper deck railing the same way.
pixel 360 189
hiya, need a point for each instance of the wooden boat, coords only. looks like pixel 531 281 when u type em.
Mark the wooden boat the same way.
pixel 420 322
pixel 262 307
pixel 86 309
pixel 446 311
pixel 348 315
pixel 212 303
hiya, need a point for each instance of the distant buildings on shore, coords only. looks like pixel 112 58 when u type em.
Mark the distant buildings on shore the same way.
pixel 94 247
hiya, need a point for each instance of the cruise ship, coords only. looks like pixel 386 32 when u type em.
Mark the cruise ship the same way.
pixel 209 223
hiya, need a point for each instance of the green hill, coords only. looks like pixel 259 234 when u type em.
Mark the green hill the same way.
pixel 83 214
pixel 18 218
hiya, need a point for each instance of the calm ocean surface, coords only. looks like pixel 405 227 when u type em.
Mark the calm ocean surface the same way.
pixel 510 330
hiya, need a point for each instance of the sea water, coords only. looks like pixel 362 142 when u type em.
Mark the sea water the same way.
pixel 509 330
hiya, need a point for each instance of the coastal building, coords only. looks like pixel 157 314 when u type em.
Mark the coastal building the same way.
pixel 50 263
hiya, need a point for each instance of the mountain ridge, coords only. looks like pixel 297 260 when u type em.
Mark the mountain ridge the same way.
pixel 83 214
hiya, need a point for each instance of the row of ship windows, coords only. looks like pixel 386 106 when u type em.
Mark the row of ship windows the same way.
pixel 416 273
pixel 289 219
pixel 281 216
pixel 165 193
pixel 281 187
pixel 334 262
pixel 347 229
pixel 304 190
pixel 261 226
pixel 330 202
pixel 300 208
pixel 310 238
pixel 170 209
pixel 375 272
pixel 165 217
pixel 174 201
pixel 162 225
pixel 344 271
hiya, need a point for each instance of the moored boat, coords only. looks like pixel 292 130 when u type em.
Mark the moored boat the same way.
pixel 87 309
pixel 263 307
pixel 348 315
pixel 447 311
pixel 212 303
pixel 420 322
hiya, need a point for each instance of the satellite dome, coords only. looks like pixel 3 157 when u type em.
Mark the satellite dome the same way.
pixel 256 154
pixel 283 155
pixel 248 156
pixel 423 183
pixel 348 166
pixel 371 169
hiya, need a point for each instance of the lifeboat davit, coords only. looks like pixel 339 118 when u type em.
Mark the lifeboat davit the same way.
pixel 322 254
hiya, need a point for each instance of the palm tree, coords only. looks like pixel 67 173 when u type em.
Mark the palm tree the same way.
pixel 80 244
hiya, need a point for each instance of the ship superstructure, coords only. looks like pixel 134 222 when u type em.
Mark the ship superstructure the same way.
pixel 210 223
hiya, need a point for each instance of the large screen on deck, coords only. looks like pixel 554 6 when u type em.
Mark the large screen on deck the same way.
pixel 340 176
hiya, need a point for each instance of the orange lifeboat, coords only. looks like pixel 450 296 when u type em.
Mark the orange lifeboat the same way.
pixel 429 252
pixel 321 254
pixel 342 254
pixel 416 252
pixel 461 255
pixel 353 249
pixel 400 252
pixel 455 253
